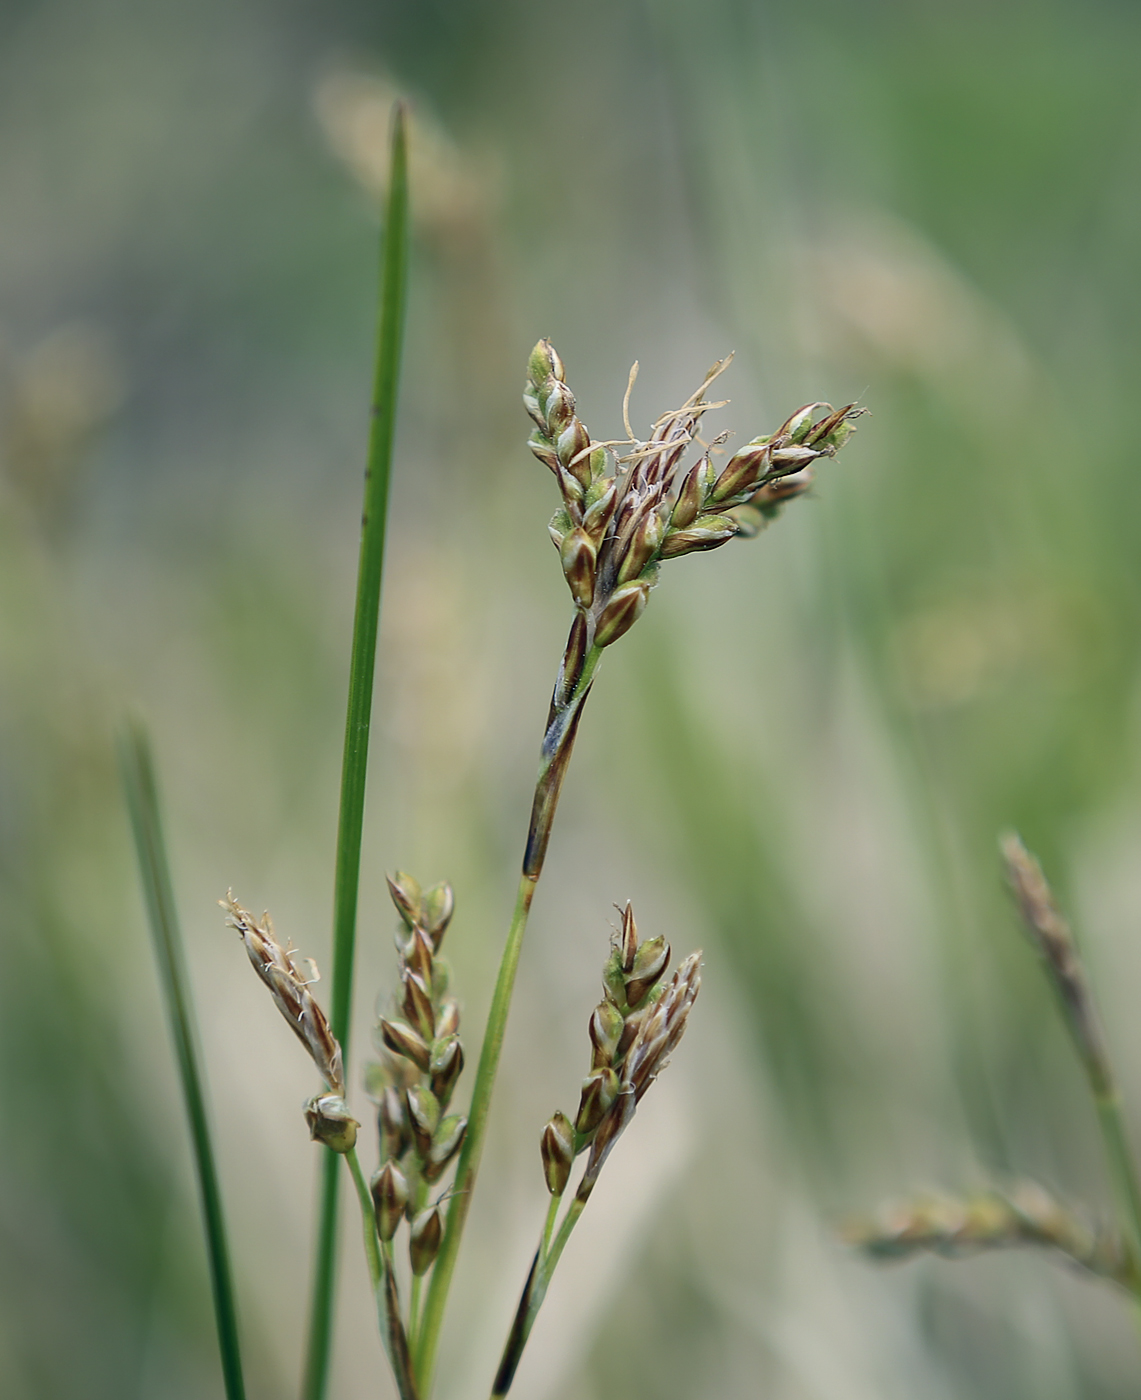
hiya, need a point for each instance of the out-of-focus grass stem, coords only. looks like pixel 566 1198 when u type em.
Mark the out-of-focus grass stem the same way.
pixel 1123 1176
pixel 137 769
pixel 393 296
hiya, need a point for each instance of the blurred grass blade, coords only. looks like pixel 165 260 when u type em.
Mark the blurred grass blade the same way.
pixel 393 290
pixel 142 801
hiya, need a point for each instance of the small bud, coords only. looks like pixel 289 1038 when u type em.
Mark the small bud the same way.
pixel 424 1236
pixel 417 1004
pixel 441 976
pixel 531 404
pixel 447 1064
pixel 331 1122
pixel 625 607
pixel 799 425
pixel 831 433
pixel 628 938
pixel 706 532
pixel 578 558
pixel 405 892
pixel 600 511
pixel 599 1090
pixel 544 364
pixel 389 1188
pixel 423 1116
pixel 448 1019
pixel 650 962
pixel 446 1143
pixel 741 474
pixel 392 1124
pixel 794 458
pixel 557 1149
pixel 692 495
pixel 572 444
pixel 630 1028
pixel 401 1039
pixel 418 953
pixel 644 544
pixel 559 408
pixel 437 909
pixel 541 449
pixel 605 1028
pixel 614 981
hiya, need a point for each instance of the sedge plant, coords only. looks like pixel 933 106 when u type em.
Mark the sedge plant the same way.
pixel 627 506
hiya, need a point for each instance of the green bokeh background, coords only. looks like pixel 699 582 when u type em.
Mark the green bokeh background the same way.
pixel 799 760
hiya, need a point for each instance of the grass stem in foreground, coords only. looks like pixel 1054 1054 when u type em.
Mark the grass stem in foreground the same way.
pixel 393 290
pixel 558 743
pixel 137 770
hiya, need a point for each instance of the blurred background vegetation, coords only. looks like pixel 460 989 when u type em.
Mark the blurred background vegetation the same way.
pixel 799 759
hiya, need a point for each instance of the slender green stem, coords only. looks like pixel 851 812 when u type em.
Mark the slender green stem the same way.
pixel 570 1220
pixel 419 1202
pixel 535 1291
pixel 142 801
pixel 557 745
pixel 414 1307
pixel 368 1217
pixel 393 289
pixel 549 1226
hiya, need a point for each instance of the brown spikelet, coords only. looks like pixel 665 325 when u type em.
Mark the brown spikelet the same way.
pixel 276 967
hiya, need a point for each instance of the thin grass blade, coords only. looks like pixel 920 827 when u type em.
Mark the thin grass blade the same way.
pixel 393 296
pixel 137 770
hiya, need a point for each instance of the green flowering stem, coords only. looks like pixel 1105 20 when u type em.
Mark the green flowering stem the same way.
pixel 549 1226
pixel 137 768
pixel 535 1289
pixel 558 742
pixel 393 289
pixel 383 1275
